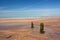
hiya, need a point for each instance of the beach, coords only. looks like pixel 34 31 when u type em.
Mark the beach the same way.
pixel 20 29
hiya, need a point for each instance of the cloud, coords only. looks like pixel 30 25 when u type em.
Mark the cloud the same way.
pixel 2 8
pixel 31 12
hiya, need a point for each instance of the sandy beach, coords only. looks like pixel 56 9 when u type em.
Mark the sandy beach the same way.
pixel 20 29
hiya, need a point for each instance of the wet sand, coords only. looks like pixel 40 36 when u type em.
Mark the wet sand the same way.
pixel 21 30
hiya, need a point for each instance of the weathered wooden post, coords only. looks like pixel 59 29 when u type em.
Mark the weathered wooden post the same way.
pixel 41 27
pixel 32 25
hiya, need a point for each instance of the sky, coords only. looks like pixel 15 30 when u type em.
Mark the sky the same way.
pixel 29 8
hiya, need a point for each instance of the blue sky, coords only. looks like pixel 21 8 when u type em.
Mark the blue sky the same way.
pixel 29 8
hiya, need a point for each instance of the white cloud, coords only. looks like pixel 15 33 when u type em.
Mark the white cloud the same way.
pixel 30 10
pixel 2 8
pixel 35 12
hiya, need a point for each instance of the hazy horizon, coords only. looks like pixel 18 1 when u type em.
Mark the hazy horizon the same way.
pixel 29 8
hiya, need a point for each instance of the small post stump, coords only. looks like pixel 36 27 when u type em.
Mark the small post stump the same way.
pixel 41 27
pixel 32 25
